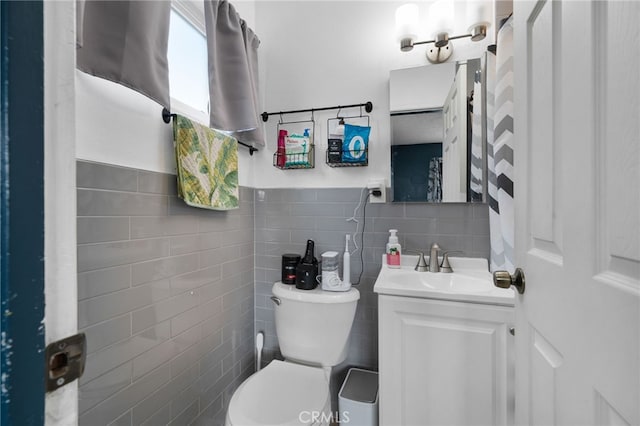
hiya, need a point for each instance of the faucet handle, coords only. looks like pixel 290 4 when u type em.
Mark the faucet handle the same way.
pixel 422 263
pixel 446 266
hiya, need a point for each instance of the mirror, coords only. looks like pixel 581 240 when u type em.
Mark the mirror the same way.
pixel 435 156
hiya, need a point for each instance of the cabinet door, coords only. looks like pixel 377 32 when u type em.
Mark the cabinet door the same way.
pixel 444 363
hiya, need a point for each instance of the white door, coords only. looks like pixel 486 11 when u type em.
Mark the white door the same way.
pixel 454 144
pixel 577 194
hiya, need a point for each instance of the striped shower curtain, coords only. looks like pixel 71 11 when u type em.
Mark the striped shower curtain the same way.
pixel 500 150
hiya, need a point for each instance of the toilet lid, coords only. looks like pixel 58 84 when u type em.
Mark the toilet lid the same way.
pixel 282 393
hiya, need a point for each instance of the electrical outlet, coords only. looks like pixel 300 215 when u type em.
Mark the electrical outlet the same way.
pixel 374 187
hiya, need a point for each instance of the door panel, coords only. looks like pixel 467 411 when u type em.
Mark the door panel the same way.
pixel 545 362
pixel 544 158
pixel 617 88
pixel 606 415
pixel 577 162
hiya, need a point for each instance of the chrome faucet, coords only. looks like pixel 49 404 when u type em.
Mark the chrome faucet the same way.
pixel 434 266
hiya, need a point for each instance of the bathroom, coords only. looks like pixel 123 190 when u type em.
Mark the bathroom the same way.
pixel 171 297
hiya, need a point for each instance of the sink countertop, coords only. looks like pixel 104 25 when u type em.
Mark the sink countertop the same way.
pixel 471 282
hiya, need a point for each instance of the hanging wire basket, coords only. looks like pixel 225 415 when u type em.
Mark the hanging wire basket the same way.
pixel 336 155
pixel 294 151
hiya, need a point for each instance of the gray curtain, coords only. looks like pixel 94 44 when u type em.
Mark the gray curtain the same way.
pixel 126 42
pixel 233 72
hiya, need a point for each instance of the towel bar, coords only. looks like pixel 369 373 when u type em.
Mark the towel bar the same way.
pixel 167 116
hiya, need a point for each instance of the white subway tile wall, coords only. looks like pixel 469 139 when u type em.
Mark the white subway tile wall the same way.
pixel 166 299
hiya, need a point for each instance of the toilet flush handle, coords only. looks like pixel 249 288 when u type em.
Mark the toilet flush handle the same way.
pixel 276 300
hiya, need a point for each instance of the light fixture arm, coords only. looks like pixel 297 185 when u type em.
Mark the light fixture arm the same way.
pixel 440 24
pixel 442 50
pixel 448 38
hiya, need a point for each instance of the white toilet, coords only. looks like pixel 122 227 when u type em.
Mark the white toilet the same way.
pixel 313 329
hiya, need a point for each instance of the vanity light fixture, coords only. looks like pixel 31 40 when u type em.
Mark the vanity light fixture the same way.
pixel 440 25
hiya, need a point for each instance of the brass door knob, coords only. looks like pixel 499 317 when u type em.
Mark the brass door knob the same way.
pixel 504 279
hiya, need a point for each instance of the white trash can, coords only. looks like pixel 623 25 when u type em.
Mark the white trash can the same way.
pixel 358 398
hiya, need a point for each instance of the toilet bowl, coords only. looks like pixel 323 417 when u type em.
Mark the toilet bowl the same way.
pixel 313 329
pixel 282 393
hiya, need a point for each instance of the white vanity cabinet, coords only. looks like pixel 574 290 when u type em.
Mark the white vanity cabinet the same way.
pixel 444 362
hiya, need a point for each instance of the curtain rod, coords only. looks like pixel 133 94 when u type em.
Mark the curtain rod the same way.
pixel 368 106
pixel 166 117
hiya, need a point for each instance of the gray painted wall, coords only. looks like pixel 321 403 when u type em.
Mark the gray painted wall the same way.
pixel 166 299
pixel 286 218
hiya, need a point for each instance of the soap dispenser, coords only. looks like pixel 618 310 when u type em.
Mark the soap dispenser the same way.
pixel 393 250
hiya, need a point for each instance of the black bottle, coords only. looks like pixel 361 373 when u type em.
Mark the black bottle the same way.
pixel 307 269
pixel 289 263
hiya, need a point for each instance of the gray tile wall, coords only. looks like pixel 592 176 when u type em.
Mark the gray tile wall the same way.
pixel 286 218
pixel 166 299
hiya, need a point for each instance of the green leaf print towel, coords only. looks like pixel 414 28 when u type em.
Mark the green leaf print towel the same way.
pixel 207 164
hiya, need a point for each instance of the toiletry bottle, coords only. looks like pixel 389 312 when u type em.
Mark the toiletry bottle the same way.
pixel 334 143
pixel 307 269
pixel 393 250
pixel 281 156
pixel 309 146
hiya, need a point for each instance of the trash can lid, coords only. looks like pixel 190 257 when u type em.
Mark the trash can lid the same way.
pixel 360 385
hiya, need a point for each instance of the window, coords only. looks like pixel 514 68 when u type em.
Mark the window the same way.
pixel 188 72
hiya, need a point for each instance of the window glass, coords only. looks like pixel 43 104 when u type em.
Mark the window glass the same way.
pixel 187 55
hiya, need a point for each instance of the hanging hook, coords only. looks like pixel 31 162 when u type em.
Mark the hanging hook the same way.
pixel 338 114
pixel 312 116
pixel 360 111
pixel 167 116
pixel 368 106
pixel 280 121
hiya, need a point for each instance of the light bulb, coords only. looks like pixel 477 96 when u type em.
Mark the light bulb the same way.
pixel 479 18
pixel 407 25
pixel 440 19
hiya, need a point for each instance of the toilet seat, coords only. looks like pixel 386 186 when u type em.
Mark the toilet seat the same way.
pixel 282 393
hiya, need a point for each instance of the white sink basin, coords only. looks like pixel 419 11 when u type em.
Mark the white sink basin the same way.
pixel 458 282
pixel 471 281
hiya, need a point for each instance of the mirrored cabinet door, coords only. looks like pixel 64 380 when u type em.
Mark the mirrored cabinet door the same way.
pixel 435 155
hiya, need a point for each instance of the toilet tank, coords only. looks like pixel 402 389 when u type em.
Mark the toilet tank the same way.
pixel 313 326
